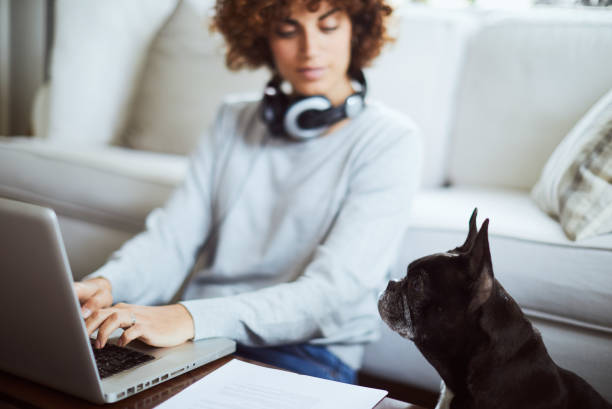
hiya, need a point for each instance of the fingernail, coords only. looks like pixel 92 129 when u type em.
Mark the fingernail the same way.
pixel 86 313
pixel 98 344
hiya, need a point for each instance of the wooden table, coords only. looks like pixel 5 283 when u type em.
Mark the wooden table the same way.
pixel 20 393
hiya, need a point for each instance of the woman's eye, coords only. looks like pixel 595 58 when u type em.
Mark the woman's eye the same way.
pixel 285 30
pixel 328 28
pixel 285 34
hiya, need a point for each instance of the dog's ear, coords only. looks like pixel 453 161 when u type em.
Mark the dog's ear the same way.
pixel 471 237
pixel 481 268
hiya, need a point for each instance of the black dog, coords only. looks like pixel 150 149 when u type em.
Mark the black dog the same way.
pixel 476 336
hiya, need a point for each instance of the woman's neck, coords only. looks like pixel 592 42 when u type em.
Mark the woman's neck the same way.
pixel 336 126
pixel 337 97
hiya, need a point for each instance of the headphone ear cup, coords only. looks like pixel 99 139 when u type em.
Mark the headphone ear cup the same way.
pixel 306 118
pixel 280 103
pixel 274 106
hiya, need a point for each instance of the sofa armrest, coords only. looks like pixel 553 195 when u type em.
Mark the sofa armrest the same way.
pixel 109 185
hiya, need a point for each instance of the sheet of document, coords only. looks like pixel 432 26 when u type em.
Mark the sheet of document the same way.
pixel 240 385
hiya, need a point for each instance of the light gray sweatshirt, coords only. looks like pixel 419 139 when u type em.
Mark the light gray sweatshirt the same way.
pixel 301 234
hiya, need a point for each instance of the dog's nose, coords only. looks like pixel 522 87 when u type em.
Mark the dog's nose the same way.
pixel 393 284
pixel 389 289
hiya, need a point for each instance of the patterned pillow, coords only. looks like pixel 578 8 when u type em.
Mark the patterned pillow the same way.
pixel 576 183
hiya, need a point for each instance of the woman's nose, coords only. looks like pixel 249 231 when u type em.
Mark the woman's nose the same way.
pixel 311 43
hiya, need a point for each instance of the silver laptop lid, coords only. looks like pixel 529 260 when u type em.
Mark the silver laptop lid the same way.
pixel 44 338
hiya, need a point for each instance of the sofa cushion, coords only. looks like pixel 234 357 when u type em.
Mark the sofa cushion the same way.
pixel 110 186
pixel 183 83
pixel 541 268
pixel 528 77
pixel 98 51
pixel 418 73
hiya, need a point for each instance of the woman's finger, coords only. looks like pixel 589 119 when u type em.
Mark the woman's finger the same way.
pixel 130 334
pixel 96 319
pixel 83 291
pixel 100 299
pixel 94 303
pixel 118 319
pixel 111 323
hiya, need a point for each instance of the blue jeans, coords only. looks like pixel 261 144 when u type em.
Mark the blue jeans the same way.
pixel 313 360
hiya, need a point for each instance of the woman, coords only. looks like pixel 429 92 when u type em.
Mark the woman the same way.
pixel 293 209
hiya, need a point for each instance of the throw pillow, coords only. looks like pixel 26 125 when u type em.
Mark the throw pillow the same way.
pixel 576 183
pixel 183 83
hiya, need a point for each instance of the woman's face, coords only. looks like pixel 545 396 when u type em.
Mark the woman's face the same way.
pixel 312 50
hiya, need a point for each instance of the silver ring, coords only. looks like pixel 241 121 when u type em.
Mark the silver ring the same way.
pixel 133 319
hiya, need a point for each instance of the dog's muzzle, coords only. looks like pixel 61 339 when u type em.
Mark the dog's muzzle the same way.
pixel 394 310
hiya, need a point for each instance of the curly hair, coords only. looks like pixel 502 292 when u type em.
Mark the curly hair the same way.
pixel 245 25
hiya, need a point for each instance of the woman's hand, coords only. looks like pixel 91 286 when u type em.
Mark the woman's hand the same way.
pixel 93 294
pixel 164 326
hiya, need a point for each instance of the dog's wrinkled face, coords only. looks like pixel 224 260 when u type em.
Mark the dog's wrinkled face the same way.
pixel 410 305
pixel 437 299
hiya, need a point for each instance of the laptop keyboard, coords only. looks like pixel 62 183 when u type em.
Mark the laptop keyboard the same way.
pixel 113 359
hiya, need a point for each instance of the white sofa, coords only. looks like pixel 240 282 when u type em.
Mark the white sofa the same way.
pixel 493 91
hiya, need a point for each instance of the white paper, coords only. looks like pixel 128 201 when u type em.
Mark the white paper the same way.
pixel 240 385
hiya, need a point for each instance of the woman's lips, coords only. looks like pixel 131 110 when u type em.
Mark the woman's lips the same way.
pixel 311 73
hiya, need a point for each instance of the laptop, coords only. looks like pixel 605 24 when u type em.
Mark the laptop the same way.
pixel 44 338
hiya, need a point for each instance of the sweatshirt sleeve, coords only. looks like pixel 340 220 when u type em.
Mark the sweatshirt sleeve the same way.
pixel 149 268
pixel 350 263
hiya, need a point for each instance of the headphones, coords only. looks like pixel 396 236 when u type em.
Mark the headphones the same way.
pixel 305 118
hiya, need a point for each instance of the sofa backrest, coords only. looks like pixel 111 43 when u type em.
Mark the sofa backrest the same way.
pixel 418 73
pixel 527 78
pixel 96 71
pixel 493 92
